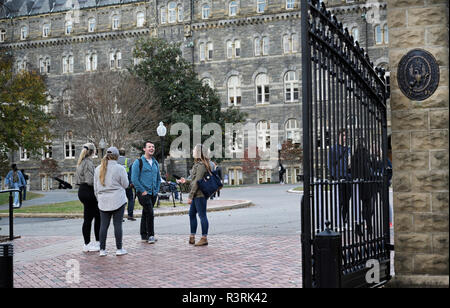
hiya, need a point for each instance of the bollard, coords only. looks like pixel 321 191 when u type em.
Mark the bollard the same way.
pixel 6 266
pixel 327 252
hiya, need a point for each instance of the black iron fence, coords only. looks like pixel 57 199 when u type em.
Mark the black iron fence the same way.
pixel 345 153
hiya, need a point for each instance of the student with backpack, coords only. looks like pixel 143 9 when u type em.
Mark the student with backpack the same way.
pixel 146 178
pixel 15 180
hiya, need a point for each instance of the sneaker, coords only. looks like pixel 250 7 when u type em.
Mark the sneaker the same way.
pixel 131 218
pixel 94 247
pixel 86 247
pixel 103 253
pixel 152 240
pixel 121 252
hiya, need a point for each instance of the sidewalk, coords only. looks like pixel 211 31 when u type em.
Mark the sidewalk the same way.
pixel 227 262
pixel 180 209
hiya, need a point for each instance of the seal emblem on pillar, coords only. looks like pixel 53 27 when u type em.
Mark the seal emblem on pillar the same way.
pixel 418 75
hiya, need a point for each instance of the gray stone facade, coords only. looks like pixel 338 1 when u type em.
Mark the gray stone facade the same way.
pixel 119 23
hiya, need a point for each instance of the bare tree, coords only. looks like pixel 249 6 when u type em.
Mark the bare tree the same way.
pixel 115 106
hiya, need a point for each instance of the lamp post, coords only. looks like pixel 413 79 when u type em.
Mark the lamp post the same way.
pixel 161 131
pixel 102 146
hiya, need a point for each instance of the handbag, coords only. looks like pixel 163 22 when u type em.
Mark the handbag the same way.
pixel 210 184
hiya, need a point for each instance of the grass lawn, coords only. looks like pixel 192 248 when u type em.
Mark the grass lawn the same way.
pixel 4 198
pixel 73 207
pixel 298 188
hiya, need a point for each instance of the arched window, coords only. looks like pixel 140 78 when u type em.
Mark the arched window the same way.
pixel 2 36
pixel 262 89
pixel 172 12
pixel 265 46
pixel 140 19
pixel 291 87
pixel 91 24
pixel 229 49
pixel 69 27
pixel 24 33
pixel 91 62
pixel 115 60
pixel 202 52
pixel 205 11
pixel 115 22
pixel 232 9
pixel 233 49
pixel 257 46
pixel 234 91
pixel 180 12
pixel 355 33
pixel 69 146
pixel 378 35
pixel 260 6
pixel 263 135
pixel 44 65
pixel 209 50
pixel 46 30
pixel 163 15
pixel 67 64
pixel 290 43
pixel 292 129
pixel 386 34
pixel 262 46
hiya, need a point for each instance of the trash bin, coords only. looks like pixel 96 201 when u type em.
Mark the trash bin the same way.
pixel 6 266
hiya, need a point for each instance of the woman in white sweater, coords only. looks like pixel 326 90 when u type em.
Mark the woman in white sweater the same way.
pixel 110 182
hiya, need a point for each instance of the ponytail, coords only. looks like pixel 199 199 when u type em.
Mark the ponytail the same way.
pixel 104 166
pixel 84 153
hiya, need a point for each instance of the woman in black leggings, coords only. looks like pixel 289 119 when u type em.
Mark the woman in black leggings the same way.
pixel 85 179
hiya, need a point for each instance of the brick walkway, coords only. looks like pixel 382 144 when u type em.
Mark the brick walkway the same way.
pixel 228 262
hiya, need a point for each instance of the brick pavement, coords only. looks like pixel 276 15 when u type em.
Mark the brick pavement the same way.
pixel 228 262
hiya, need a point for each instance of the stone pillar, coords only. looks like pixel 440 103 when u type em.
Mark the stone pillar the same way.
pixel 420 132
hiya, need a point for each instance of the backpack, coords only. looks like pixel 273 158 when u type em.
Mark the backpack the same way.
pixel 141 164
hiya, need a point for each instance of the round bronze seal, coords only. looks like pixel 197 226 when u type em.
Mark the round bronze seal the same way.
pixel 418 75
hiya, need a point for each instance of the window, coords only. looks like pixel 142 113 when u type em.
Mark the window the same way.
pixel 263 135
pixel 69 146
pixel 291 87
pixel 47 152
pixel 264 176
pixel 262 46
pixel 232 11
pixel 260 6
pixel 140 20
pixel 378 35
pixel 229 49
pixel 292 129
pixel 234 91
pixel 290 4
pixel 44 65
pixel 235 176
pixel 209 50
pixel 262 89
pixel 23 154
pixel 180 12
pixel 163 15
pixel 21 65
pixel 386 34
pixel 355 33
pixel 46 30
pixel 91 62
pixel 115 60
pixel 290 43
pixel 92 24
pixel 202 52
pixel 24 33
pixel 237 48
pixel 67 108
pixel 208 81
pixel 233 49
pixel 2 36
pixel 69 27
pixel 115 22
pixel 205 11
pixel 172 12
pixel 67 64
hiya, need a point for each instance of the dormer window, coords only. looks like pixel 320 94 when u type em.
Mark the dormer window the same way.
pixel 115 22
pixel 232 11
pixel 46 30
pixel 2 36
pixel 92 24
pixel 260 6
pixel 24 33
pixel 140 20
pixel 69 27
pixel 205 11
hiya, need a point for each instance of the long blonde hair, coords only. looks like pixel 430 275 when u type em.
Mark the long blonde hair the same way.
pixel 84 153
pixel 104 166
pixel 200 155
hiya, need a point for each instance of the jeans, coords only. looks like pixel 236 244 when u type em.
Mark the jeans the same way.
pixel 24 192
pixel 117 217
pixel 198 205
pixel 91 212
pixel 16 193
pixel 148 216
pixel 130 197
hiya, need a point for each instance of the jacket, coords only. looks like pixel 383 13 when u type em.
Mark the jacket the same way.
pixel 9 180
pixel 197 173
pixel 111 196
pixel 338 162
pixel 149 179
pixel 85 172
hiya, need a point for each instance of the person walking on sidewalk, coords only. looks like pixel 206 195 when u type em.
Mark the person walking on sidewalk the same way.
pixel 146 178
pixel 15 180
pixel 196 198
pixel 85 179
pixel 110 182
pixel 126 163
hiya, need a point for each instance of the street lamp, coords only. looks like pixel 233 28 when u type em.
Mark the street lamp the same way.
pixel 102 145
pixel 161 131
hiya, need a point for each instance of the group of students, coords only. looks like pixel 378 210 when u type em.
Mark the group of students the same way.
pixel 104 192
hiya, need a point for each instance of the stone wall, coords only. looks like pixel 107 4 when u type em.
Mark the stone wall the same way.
pixel 420 148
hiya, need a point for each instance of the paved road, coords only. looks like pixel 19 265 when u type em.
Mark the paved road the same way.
pixel 276 212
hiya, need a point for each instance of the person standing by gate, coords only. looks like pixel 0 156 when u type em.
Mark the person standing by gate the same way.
pixel 146 178
pixel 126 163
pixel 85 179
pixel 338 164
pixel 15 180
pixel 110 182
pixel 24 188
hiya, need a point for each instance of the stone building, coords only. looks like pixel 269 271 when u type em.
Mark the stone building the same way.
pixel 248 50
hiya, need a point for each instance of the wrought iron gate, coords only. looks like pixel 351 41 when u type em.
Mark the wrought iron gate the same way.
pixel 345 151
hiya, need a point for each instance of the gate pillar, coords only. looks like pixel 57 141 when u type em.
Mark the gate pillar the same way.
pixel 328 249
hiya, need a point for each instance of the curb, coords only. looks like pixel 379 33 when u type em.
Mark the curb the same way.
pixel 240 205
pixel 291 191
